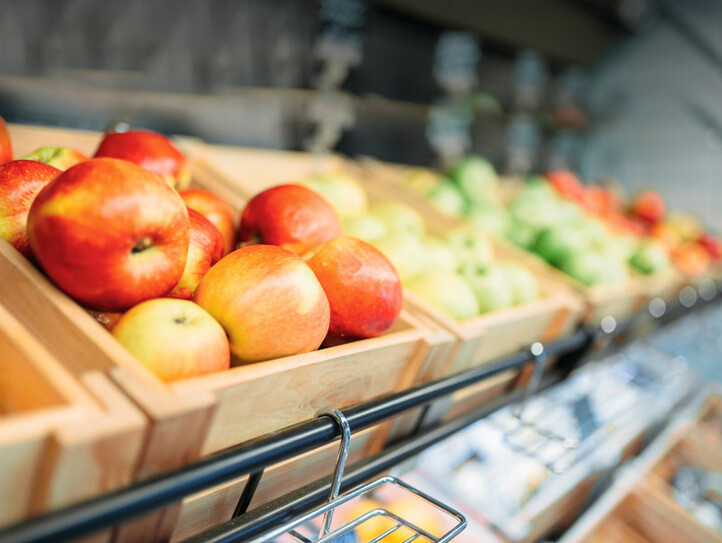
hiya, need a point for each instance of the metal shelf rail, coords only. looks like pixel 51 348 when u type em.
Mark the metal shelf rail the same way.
pixel 253 457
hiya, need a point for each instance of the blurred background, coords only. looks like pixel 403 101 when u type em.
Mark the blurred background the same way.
pixel 629 89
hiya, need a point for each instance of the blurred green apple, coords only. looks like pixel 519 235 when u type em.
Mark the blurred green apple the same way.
pixel 592 267
pixel 521 234
pixel 342 191
pixel 477 178
pixel 407 254
pixel 651 257
pixel 524 285
pixel 554 244
pixel 447 197
pixel 491 218
pixel 366 227
pixel 399 218
pixel 584 266
pixel 491 286
pixel 471 247
pixel 447 292
pixel 440 254
pixel 594 232
pixel 537 215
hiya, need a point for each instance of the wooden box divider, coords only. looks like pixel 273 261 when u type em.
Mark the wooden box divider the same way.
pixel 63 439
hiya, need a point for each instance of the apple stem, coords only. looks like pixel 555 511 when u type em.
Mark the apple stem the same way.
pixel 180 320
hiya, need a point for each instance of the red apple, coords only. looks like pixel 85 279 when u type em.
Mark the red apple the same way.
pixel 649 206
pixel 216 210
pixel 175 339
pixel 6 148
pixel 150 150
pixel 204 250
pixel 268 301
pixel 110 234
pixel 362 287
pixel 20 183
pixel 291 216
pixel 61 158
pixel 567 184
pixel 712 244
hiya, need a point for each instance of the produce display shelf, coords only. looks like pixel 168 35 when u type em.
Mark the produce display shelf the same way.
pixel 253 456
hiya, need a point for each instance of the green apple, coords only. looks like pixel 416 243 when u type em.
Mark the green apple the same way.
pixel 593 267
pixel 584 266
pixel 447 292
pixel 524 285
pixel 594 232
pixel 471 246
pixel 420 181
pixel 651 257
pixel 399 218
pixel 492 287
pixel 522 234
pixel 440 254
pixel 344 193
pixel 537 215
pixel 624 247
pixel 490 218
pixel 447 197
pixel 407 254
pixel 477 178
pixel 554 244
pixel 366 227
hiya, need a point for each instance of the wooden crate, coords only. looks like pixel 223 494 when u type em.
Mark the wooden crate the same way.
pixel 199 416
pixel 480 339
pixel 640 506
pixel 62 439
pixel 647 516
pixel 618 301
pixel 498 333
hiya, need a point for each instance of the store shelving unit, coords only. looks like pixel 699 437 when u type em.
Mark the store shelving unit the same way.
pixel 253 457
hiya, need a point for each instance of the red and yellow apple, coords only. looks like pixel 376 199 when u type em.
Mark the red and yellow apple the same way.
pixel 216 210
pixel 268 301
pixel 362 287
pixel 290 216
pixel 61 158
pixel 567 184
pixel 649 206
pixel 150 150
pixel 712 244
pixel 204 250
pixel 6 148
pixel 110 234
pixel 175 339
pixel 20 183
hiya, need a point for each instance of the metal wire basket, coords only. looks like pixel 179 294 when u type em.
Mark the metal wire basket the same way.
pixel 325 512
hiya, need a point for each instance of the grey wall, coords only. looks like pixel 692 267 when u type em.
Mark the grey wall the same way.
pixel 657 103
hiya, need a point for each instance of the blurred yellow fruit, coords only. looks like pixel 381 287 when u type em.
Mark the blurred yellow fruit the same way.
pixel 411 509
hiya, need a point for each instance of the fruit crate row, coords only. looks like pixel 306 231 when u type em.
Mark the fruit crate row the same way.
pixel 601 242
pixel 171 423
pixel 669 493
pixel 258 459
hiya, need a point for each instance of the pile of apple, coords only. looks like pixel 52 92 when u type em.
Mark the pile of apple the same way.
pixel 157 264
pixel 457 273
pixel 692 248
pixel 575 228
